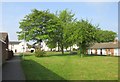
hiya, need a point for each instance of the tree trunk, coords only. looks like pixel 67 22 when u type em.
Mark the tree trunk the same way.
pixel 58 47
pixel 66 49
pixel 51 49
pixel 70 48
pixel 82 50
pixel 62 49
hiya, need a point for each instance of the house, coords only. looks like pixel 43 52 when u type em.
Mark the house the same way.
pixel 46 48
pixel 108 48
pixel 18 46
pixel 4 46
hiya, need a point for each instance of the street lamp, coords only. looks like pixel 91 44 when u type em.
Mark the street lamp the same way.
pixel 24 44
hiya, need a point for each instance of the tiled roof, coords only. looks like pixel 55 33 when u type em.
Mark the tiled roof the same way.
pixel 106 45
pixel 14 42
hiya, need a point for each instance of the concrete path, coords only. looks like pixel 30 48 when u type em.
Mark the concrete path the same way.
pixel 12 69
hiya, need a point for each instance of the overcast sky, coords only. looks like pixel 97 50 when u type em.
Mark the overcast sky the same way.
pixel 103 13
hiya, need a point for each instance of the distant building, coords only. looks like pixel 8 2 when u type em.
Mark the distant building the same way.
pixel 18 46
pixel 108 48
pixel 46 48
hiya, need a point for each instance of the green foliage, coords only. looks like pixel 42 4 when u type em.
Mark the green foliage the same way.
pixel 73 53
pixel 51 44
pixel 105 36
pixel 36 25
pixel 66 18
pixel 61 30
pixel 80 53
pixel 84 35
pixel 39 53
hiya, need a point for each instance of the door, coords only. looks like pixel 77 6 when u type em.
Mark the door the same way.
pixel 101 51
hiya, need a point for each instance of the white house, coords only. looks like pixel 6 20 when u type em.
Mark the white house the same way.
pixel 18 46
pixel 46 48
pixel 108 48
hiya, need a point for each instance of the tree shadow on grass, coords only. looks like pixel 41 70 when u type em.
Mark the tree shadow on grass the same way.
pixel 69 54
pixel 36 71
pixel 94 55
pixel 60 54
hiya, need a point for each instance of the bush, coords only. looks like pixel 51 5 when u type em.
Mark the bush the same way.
pixel 73 53
pixel 39 53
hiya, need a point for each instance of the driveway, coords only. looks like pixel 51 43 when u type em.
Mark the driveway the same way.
pixel 12 69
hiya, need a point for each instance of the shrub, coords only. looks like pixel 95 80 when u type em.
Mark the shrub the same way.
pixel 39 53
pixel 79 53
pixel 73 53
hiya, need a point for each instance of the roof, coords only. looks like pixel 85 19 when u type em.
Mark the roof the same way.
pixel 14 42
pixel 2 41
pixel 3 36
pixel 106 45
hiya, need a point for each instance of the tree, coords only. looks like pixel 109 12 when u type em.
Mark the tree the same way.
pixel 68 35
pixel 65 18
pixel 61 30
pixel 37 26
pixel 84 35
pixel 105 36
pixel 51 44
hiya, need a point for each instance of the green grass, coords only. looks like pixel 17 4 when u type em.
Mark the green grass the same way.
pixel 70 67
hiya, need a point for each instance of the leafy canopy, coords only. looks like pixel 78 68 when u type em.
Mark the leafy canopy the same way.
pixel 61 30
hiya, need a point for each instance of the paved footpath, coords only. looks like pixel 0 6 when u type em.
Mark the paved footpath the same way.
pixel 12 69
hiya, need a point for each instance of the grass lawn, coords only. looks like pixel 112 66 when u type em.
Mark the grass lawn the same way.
pixel 70 67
